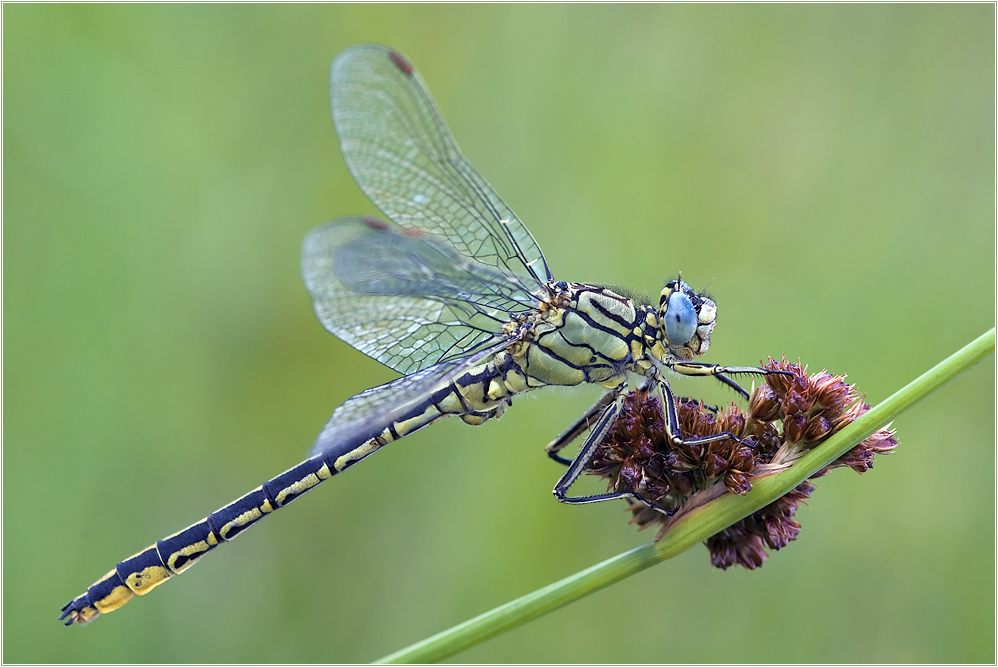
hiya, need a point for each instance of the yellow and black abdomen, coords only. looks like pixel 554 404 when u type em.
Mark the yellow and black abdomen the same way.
pixel 477 395
pixel 591 338
pixel 172 555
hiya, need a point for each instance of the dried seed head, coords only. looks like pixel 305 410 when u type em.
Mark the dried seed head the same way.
pixel 794 426
pixel 817 428
pixel 787 416
pixel 831 392
pixel 764 404
pixel 737 482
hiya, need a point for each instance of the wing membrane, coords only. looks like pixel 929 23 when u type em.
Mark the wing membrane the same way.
pixel 370 412
pixel 404 158
pixel 403 296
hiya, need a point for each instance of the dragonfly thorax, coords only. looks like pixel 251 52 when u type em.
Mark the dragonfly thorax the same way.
pixel 581 333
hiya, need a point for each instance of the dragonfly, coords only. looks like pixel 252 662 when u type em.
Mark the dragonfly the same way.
pixel 453 292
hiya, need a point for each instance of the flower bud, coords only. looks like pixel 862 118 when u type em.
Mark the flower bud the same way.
pixel 793 427
pixel 764 404
pixel 831 392
pixel 714 465
pixel 737 482
pixel 630 473
pixel 785 410
pixel 817 428
pixel 780 531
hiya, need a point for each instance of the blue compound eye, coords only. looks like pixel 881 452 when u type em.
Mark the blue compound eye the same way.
pixel 680 319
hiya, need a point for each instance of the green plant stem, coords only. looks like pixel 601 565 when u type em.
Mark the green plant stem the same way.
pixel 694 527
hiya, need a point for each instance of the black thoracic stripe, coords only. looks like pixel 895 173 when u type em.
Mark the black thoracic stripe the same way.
pixel 634 337
pixel 616 318
pixel 595 325
pixel 592 351
pixel 595 356
pixel 551 354
pixel 391 429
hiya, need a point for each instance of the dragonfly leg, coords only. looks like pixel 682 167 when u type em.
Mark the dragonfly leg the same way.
pixel 697 369
pixel 582 424
pixel 671 418
pixel 614 402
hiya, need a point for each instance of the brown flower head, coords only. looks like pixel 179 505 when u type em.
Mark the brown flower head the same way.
pixel 787 416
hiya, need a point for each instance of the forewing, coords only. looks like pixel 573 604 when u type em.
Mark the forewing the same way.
pixel 402 155
pixel 370 412
pixel 403 296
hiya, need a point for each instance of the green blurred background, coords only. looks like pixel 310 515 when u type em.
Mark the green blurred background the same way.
pixel 828 170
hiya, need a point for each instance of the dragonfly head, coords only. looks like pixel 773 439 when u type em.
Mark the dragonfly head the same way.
pixel 686 319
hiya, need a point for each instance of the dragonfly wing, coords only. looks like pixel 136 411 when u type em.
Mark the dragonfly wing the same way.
pixel 403 296
pixel 402 155
pixel 370 412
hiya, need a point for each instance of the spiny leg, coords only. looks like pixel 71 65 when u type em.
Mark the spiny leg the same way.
pixel 588 450
pixel 611 405
pixel 697 369
pixel 582 424
pixel 671 418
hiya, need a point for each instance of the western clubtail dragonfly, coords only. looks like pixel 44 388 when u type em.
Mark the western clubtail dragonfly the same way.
pixel 454 293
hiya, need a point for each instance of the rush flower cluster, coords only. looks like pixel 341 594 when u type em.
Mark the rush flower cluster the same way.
pixel 787 416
